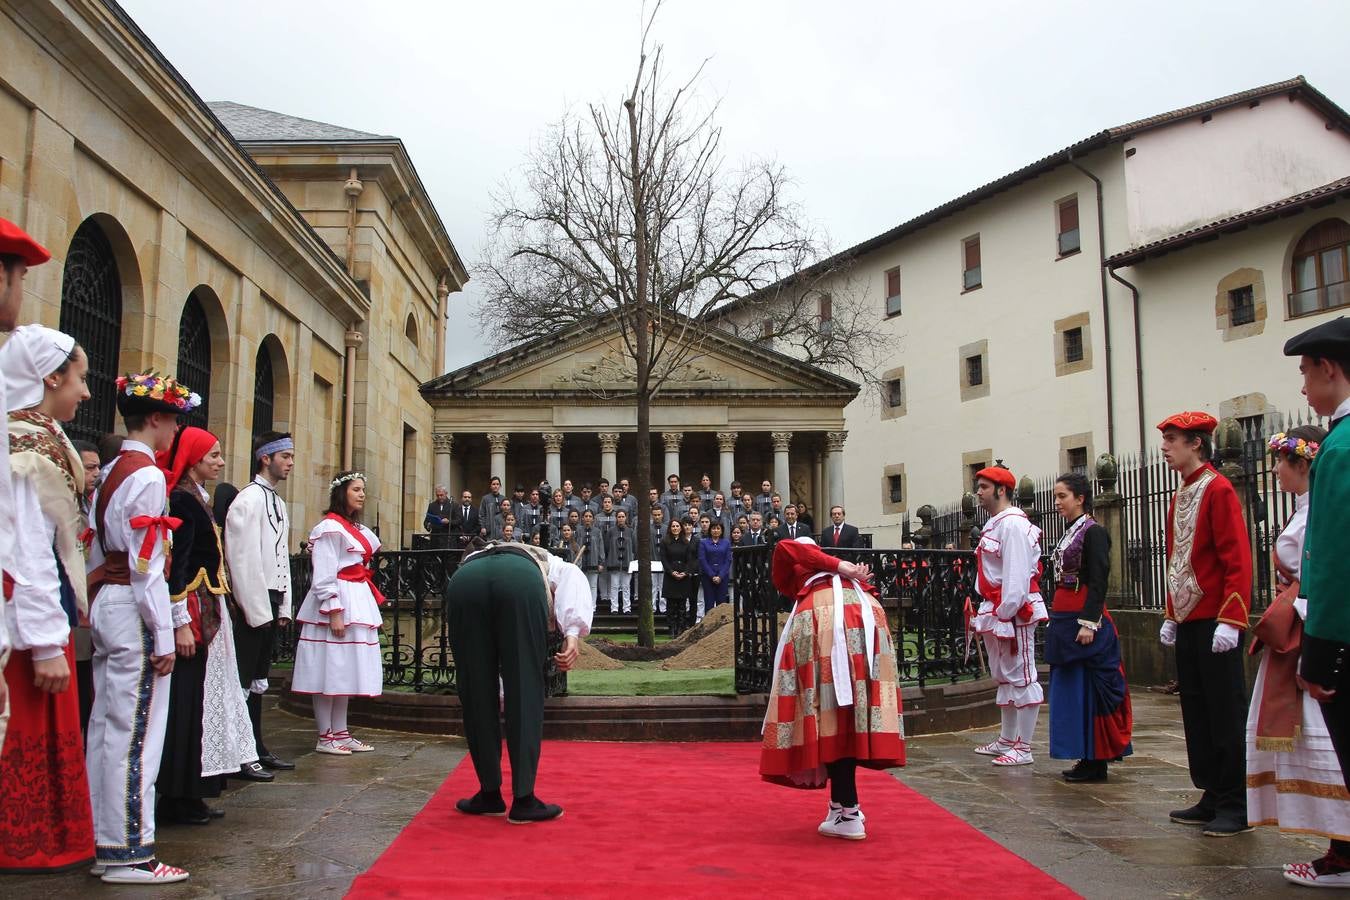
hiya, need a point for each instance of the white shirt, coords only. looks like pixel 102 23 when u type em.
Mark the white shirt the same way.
pixel 141 494
pixel 1342 411
pixel 7 519
pixel 35 619
pixel 573 605
pixel 1009 553
pixel 257 528
pixel 332 550
pixel 1289 545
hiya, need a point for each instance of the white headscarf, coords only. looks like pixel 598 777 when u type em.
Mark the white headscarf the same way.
pixel 31 354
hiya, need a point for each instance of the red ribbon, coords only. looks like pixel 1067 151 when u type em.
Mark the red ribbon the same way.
pixel 157 527
pixel 87 538
pixel 358 573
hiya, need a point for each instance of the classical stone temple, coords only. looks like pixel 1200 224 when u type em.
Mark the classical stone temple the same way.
pixel 562 407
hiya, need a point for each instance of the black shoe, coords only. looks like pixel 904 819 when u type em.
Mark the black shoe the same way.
pixel 482 804
pixel 1227 825
pixel 214 812
pixel 253 772
pixel 1074 769
pixel 1194 815
pixel 180 812
pixel 1087 771
pixel 526 810
pixel 270 761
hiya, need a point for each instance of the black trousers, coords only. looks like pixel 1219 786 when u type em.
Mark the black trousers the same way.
pixel 497 614
pixel 1327 663
pixel 253 649
pixel 1214 714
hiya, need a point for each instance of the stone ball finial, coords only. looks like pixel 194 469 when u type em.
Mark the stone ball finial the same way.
pixel 1228 440
pixel 926 513
pixel 1026 490
pixel 1107 471
pixel 968 503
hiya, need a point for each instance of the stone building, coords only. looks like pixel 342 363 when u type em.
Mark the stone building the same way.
pixel 294 273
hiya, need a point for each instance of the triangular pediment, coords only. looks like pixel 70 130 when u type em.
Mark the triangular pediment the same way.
pixel 594 361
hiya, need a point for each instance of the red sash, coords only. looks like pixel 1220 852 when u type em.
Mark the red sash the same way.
pixel 359 572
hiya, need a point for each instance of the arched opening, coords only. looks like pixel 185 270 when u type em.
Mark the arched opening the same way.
pixel 410 329
pixel 194 357
pixel 91 312
pixel 1320 275
pixel 271 388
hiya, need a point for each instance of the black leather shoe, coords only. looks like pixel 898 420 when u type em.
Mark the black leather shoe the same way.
pixel 1074 769
pixel 1086 771
pixel 1225 825
pixel 270 761
pixel 482 804
pixel 255 772
pixel 175 813
pixel 527 810
pixel 1193 815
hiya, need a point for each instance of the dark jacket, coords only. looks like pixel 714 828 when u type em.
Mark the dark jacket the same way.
pixel 437 510
pixel 678 556
pixel 848 536
pixel 460 524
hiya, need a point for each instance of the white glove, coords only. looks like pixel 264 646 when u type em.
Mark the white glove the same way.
pixel 1301 607
pixel 1226 637
pixel 1168 634
pixel 258 686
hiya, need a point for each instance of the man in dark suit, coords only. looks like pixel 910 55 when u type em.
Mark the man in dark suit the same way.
pixel 437 519
pixel 791 529
pixel 756 535
pixel 840 533
pixel 464 521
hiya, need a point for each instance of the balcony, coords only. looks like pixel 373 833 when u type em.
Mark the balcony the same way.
pixel 1319 298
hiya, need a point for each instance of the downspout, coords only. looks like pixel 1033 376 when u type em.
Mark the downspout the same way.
pixel 442 311
pixel 353 337
pixel 1138 357
pixel 1106 308
pixel 352 189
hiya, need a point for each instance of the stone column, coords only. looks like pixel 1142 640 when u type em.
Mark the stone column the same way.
pixel 726 461
pixel 672 441
pixel 497 450
pixel 553 441
pixel 834 443
pixel 442 446
pixel 818 495
pixel 781 475
pixel 1108 508
pixel 609 455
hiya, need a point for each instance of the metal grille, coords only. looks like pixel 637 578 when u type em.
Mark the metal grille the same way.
pixel 264 396
pixel 194 358
pixel 91 312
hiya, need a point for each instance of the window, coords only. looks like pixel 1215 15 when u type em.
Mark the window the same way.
pixel 194 357
pixel 826 310
pixel 896 485
pixel 1241 306
pixel 1069 241
pixel 410 329
pixel 974 370
pixel 970 277
pixel 1073 345
pixel 1320 277
pixel 91 312
pixel 895 392
pixel 1078 460
pixel 264 392
pixel 974 468
pixel 893 291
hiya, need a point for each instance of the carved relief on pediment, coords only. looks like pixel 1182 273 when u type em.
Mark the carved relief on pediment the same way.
pixel 616 369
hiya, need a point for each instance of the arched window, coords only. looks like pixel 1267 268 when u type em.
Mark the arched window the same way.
pixel 1321 275
pixel 410 329
pixel 194 357
pixel 264 393
pixel 91 311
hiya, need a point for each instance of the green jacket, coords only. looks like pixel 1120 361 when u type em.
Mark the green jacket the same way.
pixel 1325 576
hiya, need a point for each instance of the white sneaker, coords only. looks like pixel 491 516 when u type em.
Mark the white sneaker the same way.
pixel 331 745
pixel 345 739
pixel 1017 755
pixel 153 872
pixel 845 822
pixel 1306 875
pixel 997 747
pixel 98 868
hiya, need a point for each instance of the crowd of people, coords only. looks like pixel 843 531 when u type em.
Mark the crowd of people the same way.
pixel 140 612
pixel 692 533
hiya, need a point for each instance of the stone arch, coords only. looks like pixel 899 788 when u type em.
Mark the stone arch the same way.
pixel 410 329
pixel 204 355
pixel 271 388
pixel 1311 288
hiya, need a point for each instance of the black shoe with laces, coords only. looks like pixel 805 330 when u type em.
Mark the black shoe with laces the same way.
pixel 527 810
pixel 1088 770
pixel 1227 825
pixel 482 804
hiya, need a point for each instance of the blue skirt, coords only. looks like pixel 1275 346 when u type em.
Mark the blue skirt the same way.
pixel 1090 714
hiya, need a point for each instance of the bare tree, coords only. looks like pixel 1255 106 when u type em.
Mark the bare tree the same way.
pixel 631 216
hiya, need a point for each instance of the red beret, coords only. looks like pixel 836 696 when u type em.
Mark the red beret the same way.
pixel 998 475
pixel 14 241
pixel 1190 421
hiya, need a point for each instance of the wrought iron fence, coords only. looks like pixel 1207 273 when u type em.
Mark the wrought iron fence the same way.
pixel 416 639
pixel 926 590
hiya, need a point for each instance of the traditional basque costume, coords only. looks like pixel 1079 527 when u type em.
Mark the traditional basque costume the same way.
pixel 46 821
pixel 1090 714
pixel 835 694
pixel 1209 583
pixel 1008 569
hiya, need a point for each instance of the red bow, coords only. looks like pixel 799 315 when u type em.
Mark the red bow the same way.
pixel 358 573
pixel 156 527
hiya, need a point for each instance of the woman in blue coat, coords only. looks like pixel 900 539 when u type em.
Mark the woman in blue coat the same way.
pixel 714 562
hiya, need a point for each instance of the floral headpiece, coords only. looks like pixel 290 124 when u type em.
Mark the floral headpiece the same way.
pixel 161 388
pixel 1292 446
pixel 344 478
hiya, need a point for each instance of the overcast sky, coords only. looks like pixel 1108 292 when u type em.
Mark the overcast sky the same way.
pixel 879 110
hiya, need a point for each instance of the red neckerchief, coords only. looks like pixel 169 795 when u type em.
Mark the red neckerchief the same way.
pixel 359 572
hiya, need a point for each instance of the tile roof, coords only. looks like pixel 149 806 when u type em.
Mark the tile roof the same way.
pixel 1318 196
pixel 250 123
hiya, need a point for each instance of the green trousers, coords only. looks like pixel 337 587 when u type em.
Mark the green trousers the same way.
pixel 497 613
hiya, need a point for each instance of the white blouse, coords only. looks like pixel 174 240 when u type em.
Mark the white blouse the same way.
pixel 573 605
pixel 1289 545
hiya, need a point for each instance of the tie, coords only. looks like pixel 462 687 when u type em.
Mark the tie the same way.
pixel 836 534
pixel 466 513
pixel 792 531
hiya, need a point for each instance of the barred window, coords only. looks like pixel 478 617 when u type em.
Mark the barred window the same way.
pixel 1241 306
pixel 974 370
pixel 1073 345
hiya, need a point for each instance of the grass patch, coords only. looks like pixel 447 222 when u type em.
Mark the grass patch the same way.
pixel 646 679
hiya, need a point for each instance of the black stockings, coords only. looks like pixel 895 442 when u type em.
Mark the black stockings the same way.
pixel 843 781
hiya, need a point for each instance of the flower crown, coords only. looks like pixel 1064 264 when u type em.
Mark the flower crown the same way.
pixel 159 387
pixel 1283 443
pixel 343 479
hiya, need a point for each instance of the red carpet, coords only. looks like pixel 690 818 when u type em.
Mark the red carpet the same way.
pixel 684 820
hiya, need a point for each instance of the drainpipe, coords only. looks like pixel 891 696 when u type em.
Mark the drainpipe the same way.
pixel 442 310
pixel 352 339
pixel 1106 308
pixel 1138 357
pixel 352 189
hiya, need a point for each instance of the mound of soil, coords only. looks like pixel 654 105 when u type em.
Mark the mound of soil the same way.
pixel 719 617
pixel 632 652
pixel 592 659
pixel 715 649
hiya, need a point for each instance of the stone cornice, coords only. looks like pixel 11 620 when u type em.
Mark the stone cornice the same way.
pixel 757 397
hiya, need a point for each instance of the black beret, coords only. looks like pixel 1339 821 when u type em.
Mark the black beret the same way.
pixel 1330 339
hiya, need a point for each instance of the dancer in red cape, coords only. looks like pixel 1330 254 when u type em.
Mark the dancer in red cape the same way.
pixel 819 726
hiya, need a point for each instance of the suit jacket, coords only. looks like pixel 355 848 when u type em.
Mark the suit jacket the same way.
pixel 750 539
pixel 788 532
pixel 437 510
pixel 848 536
pixel 462 524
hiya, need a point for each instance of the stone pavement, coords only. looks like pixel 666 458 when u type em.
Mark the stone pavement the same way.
pixel 312 831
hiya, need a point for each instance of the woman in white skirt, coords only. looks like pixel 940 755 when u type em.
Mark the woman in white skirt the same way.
pixel 338 654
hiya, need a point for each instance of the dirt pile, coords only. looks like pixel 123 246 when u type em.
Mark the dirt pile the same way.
pixel 715 647
pixel 591 659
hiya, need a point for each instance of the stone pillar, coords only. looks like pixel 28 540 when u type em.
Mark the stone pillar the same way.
pixel 350 340
pixel 497 450
pixel 726 461
pixel 818 495
pixel 442 445
pixel 781 474
pixel 834 443
pixel 609 455
pixel 672 441
pixel 1108 508
pixel 553 441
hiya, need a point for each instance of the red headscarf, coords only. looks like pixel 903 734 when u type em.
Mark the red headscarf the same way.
pixel 189 448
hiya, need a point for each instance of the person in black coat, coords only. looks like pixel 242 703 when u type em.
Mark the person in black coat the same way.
pixel 679 560
pixel 464 521
pixel 840 533
pixel 437 519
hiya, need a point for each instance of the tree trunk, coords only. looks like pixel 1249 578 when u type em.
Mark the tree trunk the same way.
pixel 646 634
